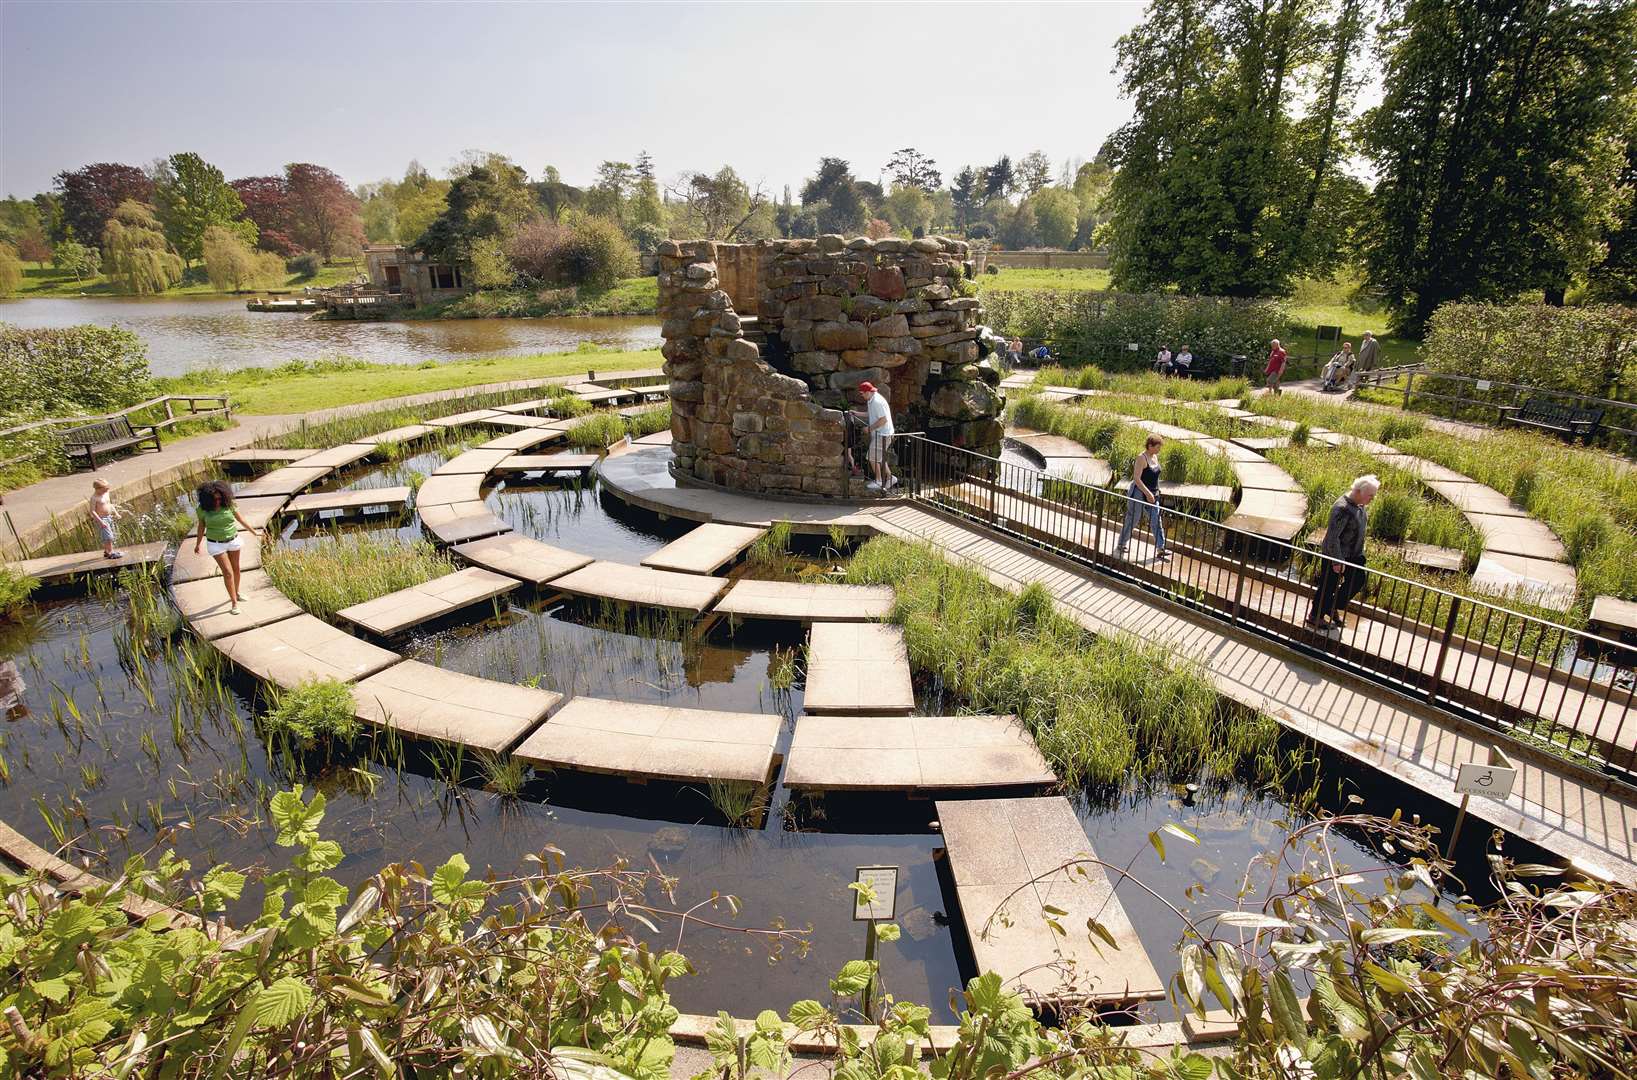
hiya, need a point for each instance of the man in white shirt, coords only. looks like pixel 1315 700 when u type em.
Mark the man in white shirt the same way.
pixel 879 415
pixel 1183 362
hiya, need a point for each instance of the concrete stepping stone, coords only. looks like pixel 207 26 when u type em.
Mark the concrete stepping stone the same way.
pixel 1261 444
pixel 601 395
pixel 397 612
pixel 339 457
pixel 472 461
pixel 304 648
pixel 858 667
pixel 51 569
pixel 1004 855
pixel 1545 582
pixel 1210 493
pixel 549 463
pixel 913 753
pixel 456 523
pixel 317 502
pixel 1264 475
pixel 1474 498
pixel 405 434
pixel 525 439
pixel 440 489
pixel 519 407
pixel 520 421
pixel 204 604
pixel 658 438
pixel 464 419
pixel 1277 515
pixel 706 549
pixel 522 557
pixel 287 481
pixel 1612 617
pixel 193 565
pixel 803 601
pixel 642 585
pixel 1432 557
pixel 1527 536
pixel 655 742
pixel 433 703
pixel 260 455
pixel 258 511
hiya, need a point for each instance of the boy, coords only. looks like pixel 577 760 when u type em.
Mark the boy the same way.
pixel 102 515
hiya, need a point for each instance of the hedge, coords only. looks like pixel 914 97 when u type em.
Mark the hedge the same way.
pixel 65 372
pixel 1578 350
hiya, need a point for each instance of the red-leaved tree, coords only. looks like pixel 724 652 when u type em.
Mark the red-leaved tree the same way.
pixel 324 213
pixel 267 202
pixel 91 195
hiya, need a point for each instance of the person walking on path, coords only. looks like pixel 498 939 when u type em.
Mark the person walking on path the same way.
pixel 1143 497
pixel 879 414
pixel 1014 352
pixel 1340 573
pixel 219 524
pixel 1276 367
pixel 102 516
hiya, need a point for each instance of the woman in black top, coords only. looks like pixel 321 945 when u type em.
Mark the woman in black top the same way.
pixel 1143 497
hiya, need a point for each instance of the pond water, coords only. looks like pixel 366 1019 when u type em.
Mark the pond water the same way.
pixel 183 334
pixel 112 743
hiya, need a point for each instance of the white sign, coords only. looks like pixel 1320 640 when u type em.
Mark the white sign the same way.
pixel 1131 346
pixel 883 881
pixel 1483 384
pixel 1490 781
pixel 937 367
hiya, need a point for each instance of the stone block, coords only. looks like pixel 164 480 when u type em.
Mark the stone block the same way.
pixel 965 401
pixel 668 248
pixel 687 391
pixel 889 246
pixel 865 307
pixel 960 303
pixel 964 352
pixel 742 350
pixel 906 345
pixel 872 358
pixel 718 439
pixel 816 309
pixel 892 326
pixel 747 423
pixel 887 282
pixel 840 335
pixel 952 337
pixel 935 318
pixel 815 363
pixel 684 370
pixel 860 243
pixel 830 243
pixel 849 380
pixel 925 245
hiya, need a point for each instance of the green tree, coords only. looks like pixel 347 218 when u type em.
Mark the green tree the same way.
pixel 1499 143
pixel 721 207
pixel 908 208
pixel 234 266
pixel 1057 215
pixel 11 270
pixel 845 210
pixel 999 179
pixel 488 202
pixel 135 254
pixel 1615 277
pixel 73 257
pixel 192 195
pixel 1034 172
pixel 609 194
pixel 911 168
pixel 965 191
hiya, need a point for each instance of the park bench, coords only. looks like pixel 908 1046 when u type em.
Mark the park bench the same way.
pixel 1568 420
pixel 89 441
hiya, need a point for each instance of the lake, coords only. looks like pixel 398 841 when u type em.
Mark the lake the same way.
pixel 187 333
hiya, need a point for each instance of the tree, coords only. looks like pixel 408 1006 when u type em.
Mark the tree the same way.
pixel 267 203
pixel 490 201
pixel 323 212
pixel 719 207
pixel 908 209
pixel 608 195
pixel 965 191
pixel 911 168
pixel 1017 226
pixel 11 271
pixel 90 195
pixel 1034 172
pixel 1499 142
pixel 233 266
pixel 73 257
pixel 999 178
pixel 1057 215
pixel 191 196
pixel 833 185
pixel 136 255
pixel 1615 278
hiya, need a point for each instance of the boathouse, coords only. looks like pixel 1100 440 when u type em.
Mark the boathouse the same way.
pixel 407 274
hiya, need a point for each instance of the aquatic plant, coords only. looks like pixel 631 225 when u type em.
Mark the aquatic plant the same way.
pixel 741 805
pixel 782 668
pixel 15 589
pixel 596 432
pixel 650 420
pixel 320 711
pixel 323 578
pixel 504 774
pixel 772 545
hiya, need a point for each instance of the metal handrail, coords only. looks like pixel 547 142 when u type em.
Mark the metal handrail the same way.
pixel 1518 392
pixel 1521 673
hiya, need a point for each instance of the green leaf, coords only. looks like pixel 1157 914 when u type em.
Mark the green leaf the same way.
pixel 51 989
pixel 1387 935
pixel 321 855
pixel 1287 1011
pixel 1390 981
pixel 1193 974
pixel 854 976
pixel 1178 831
pixel 1253 920
pixel 808 1014
pixel 886 931
pixel 768 1023
pixel 236 1037
pixel 283 1001
pixel 448 878
pixel 1194 1066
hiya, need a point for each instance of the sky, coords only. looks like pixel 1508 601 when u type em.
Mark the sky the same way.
pixel 362 88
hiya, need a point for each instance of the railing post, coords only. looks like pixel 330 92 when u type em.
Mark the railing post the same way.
pixel 1097 526
pixel 1239 583
pixel 1443 646
pixel 1409 385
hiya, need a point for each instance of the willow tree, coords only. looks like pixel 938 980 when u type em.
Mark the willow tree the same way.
pixel 233 266
pixel 135 254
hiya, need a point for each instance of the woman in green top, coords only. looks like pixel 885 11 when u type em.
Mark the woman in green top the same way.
pixel 219 523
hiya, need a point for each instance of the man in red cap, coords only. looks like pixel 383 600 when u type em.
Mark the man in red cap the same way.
pixel 879 416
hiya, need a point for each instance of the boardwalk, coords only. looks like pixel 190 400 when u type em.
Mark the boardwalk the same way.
pixel 913 753
pixel 706 549
pixel 286 481
pixel 253 456
pixel 54 569
pixel 858 667
pixel 656 742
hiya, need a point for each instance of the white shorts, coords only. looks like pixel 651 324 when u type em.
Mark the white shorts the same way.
pixel 878 447
pixel 216 549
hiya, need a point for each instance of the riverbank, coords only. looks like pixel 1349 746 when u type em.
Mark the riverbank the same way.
pixel 307 385
pixel 49 281
pixel 631 296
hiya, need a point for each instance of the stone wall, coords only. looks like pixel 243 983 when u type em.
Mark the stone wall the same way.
pixel 757 399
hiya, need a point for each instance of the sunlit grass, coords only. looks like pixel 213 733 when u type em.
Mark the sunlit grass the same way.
pixel 322 578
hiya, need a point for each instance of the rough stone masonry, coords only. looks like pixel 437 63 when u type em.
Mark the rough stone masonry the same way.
pixel 766 343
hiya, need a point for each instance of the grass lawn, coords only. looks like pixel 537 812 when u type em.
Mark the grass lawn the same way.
pixel 52 282
pixel 305 386
pixel 1055 280
pixel 631 296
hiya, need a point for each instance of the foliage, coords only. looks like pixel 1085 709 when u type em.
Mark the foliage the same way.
pixel 353 567
pixel 596 432
pixel 73 257
pixel 318 711
pixel 1391 515
pixel 15 589
pixel 1499 143
pixel 192 195
pixel 913 169
pixel 305 265
pixel 88 197
pixel 1057 213
pixel 844 210
pixel 398 212
pixel 488 202
pixel 67 371
pixel 233 267
pixel 596 254
pixel 1096 327
pixel 267 203
pixel 719 207
pixel 650 420
pixel 11 270
pixel 135 254
pixel 490 269
pixel 323 212
pixel 1584 350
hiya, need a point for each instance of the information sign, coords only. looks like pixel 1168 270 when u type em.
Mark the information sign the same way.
pixel 883 880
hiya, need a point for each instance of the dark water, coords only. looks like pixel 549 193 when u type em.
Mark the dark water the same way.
pixel 131 752
pixel 184 334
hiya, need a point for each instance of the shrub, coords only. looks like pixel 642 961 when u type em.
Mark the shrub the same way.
pixel 233 266
pixel 596 432
pixel 61 372
pixel 1581 350
pixel 1391 514
pixel 319 711
pixel 11 270
pixel 304 266
pixel 597 255
pixel 534 250
pixel 1586 534
pixel 1300 434
pixel 15 589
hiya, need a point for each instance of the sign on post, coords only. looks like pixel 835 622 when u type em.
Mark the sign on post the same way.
pixel 883 881
pixel 1483 384
pixel 1131 346
pixel 1492 781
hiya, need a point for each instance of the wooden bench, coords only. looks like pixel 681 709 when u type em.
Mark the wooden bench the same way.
pixel 1567 420
pixel 86 442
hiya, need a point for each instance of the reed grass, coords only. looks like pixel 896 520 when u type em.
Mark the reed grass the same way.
pixel 323 578
pixel 741 805
pixel 596 432
pixel 651 420
pixel 772 545
pixel 1103 710
pixel 1119 443
pixel 320 711
pixel 15 589
pixel 1146 384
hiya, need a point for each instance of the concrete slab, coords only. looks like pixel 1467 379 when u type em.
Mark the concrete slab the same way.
pixel 204 604
pixel 1431 557
pixel 258 511
pixel 339 457
pixel 1211 493
pixel 517 408
pixel 432 703
pixel 1004 855
pixel 286 481
pixel 656 742
pixel 464 419
pixel 806 601
pixel 472 461
pixel 1507 535
pixel 51 569
pixel 913 753
pixel 1474 498
pixel 1261 444
pixel 1545 582
pixel 522 422
pixel 1613 617
pixel 1278 515
pixel 642 585
pixel 548 463
pixel 397 612
pixel 405 434
pixel 304 648
pixel 1263 474
pixel 193 565
pixel 526 439
pixel 858 667
pixel 441 489
pixel 316 502
pixel 1427 471
pixel 706 549
pixel 658 438
pixel 602 395
pixel 456 523
pixel 260 455
pixel 522 557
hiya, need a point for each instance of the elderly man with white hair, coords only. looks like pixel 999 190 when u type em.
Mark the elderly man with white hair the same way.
pixel 1340 574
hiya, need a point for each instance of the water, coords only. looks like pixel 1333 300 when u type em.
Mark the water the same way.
pixel 183 334
pixel 130 754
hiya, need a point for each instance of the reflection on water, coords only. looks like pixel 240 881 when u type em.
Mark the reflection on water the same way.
pixel 183 334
